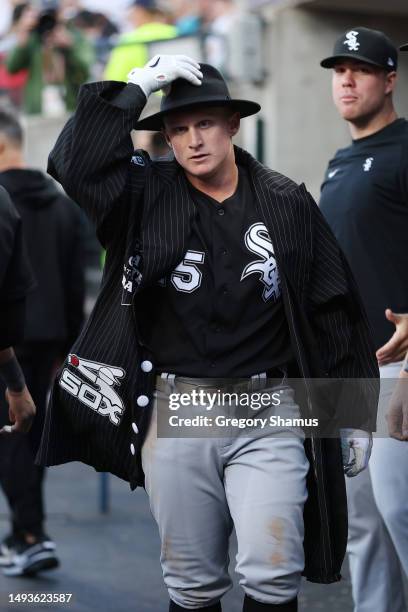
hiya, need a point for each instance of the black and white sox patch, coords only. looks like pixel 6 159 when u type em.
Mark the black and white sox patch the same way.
pixel 101 395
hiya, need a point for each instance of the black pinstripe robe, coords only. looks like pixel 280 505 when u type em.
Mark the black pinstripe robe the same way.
pixel 144 214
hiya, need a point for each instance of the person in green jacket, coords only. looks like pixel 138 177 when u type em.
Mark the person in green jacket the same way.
pixel 132 50
pixel 58 59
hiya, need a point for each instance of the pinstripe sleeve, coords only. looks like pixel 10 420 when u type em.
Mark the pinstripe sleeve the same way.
pixel 91 158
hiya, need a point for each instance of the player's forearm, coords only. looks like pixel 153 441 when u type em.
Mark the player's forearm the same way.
pixel 12 322
pixel 91 156
pixel 126 96
pixel 98 135
pixel 10 371
pixel 5 355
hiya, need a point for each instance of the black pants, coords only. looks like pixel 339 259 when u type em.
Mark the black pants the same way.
pixel 20 479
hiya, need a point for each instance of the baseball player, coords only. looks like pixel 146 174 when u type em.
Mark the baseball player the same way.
pixel 397 413
pixel 216 276
pixel 364 199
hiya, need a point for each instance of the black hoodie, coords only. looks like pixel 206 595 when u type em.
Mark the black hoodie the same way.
pixel 53 232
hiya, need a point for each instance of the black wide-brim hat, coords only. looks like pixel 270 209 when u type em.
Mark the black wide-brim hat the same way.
pixel 404 47
pixel 183 95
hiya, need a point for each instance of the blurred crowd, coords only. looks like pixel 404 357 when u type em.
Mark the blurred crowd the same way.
pixel 48 48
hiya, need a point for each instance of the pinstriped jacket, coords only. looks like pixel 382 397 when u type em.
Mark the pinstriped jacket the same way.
pixel 100 403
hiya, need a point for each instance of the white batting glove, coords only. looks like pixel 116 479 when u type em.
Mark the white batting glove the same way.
pixel 161 70
pixel 360 443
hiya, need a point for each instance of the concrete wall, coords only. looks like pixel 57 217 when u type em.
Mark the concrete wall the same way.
pixel 303 129
pixel 41 134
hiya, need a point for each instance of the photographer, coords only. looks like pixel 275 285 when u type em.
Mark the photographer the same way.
pixel 56 55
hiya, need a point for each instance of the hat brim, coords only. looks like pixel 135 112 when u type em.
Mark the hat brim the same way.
pixel 154 122
pixel 404 47
pixel 331 61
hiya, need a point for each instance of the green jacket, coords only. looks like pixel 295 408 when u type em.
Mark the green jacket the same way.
pixel 131 51
pixel 78 60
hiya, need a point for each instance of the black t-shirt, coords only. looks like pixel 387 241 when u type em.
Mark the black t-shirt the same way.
pixel 365 201
pixel 220 312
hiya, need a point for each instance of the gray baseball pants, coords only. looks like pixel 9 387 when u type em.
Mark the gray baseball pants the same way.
pixel 378 518
pixel 200 488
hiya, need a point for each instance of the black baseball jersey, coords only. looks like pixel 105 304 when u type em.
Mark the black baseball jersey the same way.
pixel 365 200
pixel 220 312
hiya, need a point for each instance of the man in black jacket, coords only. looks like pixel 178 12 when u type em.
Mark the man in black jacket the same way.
pixel 53 318
pixel 219 273
pixel 16 282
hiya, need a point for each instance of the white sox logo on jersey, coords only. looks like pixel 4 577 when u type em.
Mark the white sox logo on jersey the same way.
pixel 257 240
pixel 103 399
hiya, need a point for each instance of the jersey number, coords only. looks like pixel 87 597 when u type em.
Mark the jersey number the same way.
pixel 187 277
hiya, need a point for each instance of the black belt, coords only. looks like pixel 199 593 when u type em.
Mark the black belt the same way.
pixel 270 378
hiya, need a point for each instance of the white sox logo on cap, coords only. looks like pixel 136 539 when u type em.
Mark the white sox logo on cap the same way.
pixel 351 40
pixel 365 45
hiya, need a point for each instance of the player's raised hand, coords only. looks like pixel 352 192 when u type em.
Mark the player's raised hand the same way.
pixel 161 70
